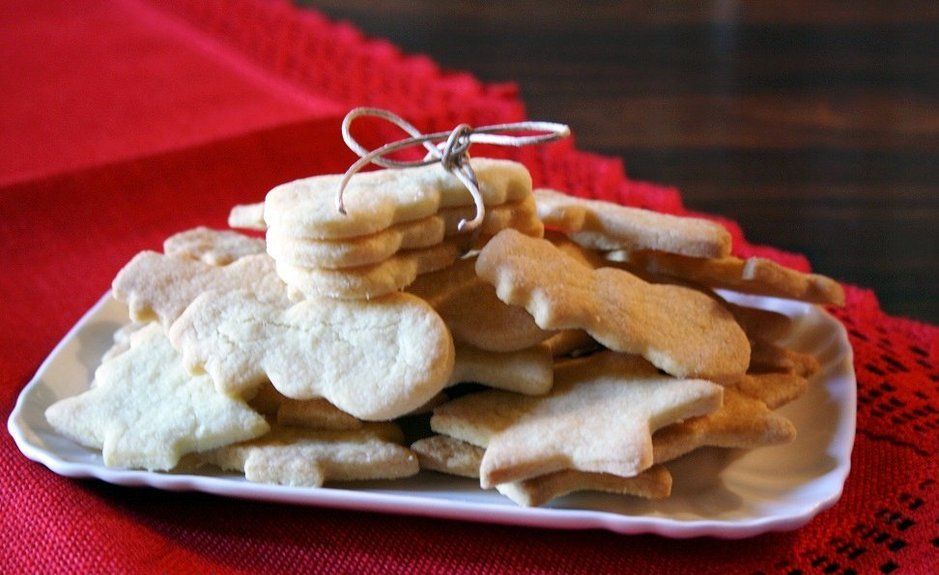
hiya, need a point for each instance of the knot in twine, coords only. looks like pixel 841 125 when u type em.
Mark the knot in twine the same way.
pixel 450 149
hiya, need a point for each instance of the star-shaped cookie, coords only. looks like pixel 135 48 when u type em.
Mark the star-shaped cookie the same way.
pixel 214 247
pixel 455 457
pixel 303 457
pixel 598 417
pixel 742 422
pixel 159 287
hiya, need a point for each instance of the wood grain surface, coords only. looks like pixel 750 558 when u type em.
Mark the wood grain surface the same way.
pixel 814 124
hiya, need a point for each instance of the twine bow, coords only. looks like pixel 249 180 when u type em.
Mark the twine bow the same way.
pixel 451 149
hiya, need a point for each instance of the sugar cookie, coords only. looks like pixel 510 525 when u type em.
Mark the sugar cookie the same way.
pixel 159 287
pixel 214 247
pixel 742 422
pixel 146 411
pixel 455 457
pixel 375 360
pixel 473 312
pixel 352 252
pixel 598 417
pixel 529 371
pixel 377 200
pixel 753 275
pixel 607 226
pixel 247 217
pixel 307 458
pixel 391 275
pixel 679 330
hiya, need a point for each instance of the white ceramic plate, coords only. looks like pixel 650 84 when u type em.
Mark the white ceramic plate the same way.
pixel 722 493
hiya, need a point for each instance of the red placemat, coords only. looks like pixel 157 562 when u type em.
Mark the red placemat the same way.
pixel 122 123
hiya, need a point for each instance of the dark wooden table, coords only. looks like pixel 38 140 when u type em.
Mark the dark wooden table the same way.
pixel 814 124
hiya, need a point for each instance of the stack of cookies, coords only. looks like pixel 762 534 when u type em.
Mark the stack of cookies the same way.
pixel 398 224
pixel 586 360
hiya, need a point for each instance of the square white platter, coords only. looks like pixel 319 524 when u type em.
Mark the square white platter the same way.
pixel 720 493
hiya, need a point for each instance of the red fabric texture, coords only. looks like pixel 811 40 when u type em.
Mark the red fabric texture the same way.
pixel 95 81
pixel 132 122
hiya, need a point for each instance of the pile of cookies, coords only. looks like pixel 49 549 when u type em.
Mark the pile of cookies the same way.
pixel 581 358
pixel 407 223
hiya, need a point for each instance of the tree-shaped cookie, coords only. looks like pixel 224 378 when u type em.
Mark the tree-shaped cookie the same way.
pixel 146 410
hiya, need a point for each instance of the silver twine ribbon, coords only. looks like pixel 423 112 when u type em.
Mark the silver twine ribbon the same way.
pixel 451 149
